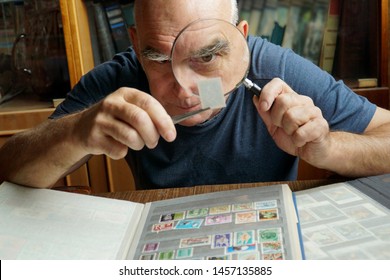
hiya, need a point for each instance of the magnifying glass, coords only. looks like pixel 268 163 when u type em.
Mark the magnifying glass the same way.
pixel 210 57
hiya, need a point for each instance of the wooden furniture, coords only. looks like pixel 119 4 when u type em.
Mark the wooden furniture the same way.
pixel 105 174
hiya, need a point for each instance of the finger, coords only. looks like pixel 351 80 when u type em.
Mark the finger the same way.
pixel 313 131
pixel 265 115
pixel 270 92
pixel 297 116
pixel 126 135
pixel 157 114
pixel 114 149
pixel 127 123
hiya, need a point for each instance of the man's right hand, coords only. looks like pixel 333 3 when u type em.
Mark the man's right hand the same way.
pixel 127 118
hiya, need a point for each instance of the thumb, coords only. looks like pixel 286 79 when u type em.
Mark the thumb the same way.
pixel 264 112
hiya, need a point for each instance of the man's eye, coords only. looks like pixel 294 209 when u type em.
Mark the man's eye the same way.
pixel 165 61
pixel 207 58
pixel 204 58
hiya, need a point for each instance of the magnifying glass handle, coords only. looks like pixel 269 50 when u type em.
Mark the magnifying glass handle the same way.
pixel 252 87
pixel 180 118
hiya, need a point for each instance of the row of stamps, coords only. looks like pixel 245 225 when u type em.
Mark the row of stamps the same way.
pixel 216 219
pixel 188 254
pixel 270 242
pixel 220 209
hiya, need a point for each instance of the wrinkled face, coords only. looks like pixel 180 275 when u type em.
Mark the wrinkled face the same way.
pixel 158 23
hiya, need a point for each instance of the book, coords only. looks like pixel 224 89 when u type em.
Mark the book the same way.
pixel 280 24
pixel 268 18
pixel 361 82
pixel 97 55
pixel 292 24
pixel 104 39
pixel 305 17
pixel 119 32
pixel 330 36
pixel 251 223
pixel 245 10
pixel 128 12
pixel 315 31
pixel 353 48
pixel 346 220
pixel 255 16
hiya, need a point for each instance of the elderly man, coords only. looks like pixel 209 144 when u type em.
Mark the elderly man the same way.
pixel 123 108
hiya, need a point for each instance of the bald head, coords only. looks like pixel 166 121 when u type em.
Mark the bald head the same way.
pixel 223 9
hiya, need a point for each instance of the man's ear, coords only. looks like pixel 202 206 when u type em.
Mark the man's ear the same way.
pixel 134 40
pixel 243 26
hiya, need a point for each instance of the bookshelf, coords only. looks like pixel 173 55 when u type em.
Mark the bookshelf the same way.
pixel 105 174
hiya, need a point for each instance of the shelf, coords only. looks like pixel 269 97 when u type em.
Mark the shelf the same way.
pixel 23 112
pixel 25 102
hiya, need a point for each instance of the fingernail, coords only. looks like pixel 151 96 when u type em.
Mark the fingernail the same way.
pixel 264 106
pixel 170 135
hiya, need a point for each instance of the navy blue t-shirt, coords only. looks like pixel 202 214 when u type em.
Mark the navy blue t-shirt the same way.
pixel 234 146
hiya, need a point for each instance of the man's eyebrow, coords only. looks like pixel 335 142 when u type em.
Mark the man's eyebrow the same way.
pixel 218 46
pixel 154 55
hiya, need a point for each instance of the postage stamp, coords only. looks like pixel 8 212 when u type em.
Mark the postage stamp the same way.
pixel 195 241
pixel 246 217
pixel 189 224
pixel 197 213
pixel 151 247
pixel 266 204
pixel 242 207
pixel 218 219
pixel 172 217
pixel 162 226
pixel 221 209
pixel 244 237
pixel 222 240
pixel 183 253
pixel 269 214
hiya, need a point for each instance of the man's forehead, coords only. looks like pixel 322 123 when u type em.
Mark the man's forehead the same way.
pixel 180 12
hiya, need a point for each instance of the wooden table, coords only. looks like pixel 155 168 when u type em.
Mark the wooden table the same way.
pixel 144 196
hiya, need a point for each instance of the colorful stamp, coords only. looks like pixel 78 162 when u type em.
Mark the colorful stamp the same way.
pixel 189 224
pixel 195 241
pixel 271 234
pixel 242 207
pixel 240 249
pixel 246 217
pixel 276 256
pixel 266 204
pixel 247 256
pixel 218 219
pixel 219 258
pixel 269 214
pixel 172 217
pixel 271 247
pixel 162 227
pixel 222 240
pixel 183 253
pixel 151 247
pixel 221 209
pixel 148 257
pixel 197 213
pixel 244 237
pixel 168 255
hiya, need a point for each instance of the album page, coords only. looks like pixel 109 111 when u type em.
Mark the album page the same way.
pixel 249 223
pixel 339 221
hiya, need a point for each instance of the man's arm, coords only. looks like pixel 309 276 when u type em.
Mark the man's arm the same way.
pixel 356 155
pixel 40 156
pixel 298 127
pixel 125 119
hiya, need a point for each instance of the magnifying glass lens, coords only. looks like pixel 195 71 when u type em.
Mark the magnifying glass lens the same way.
pixel 210 48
